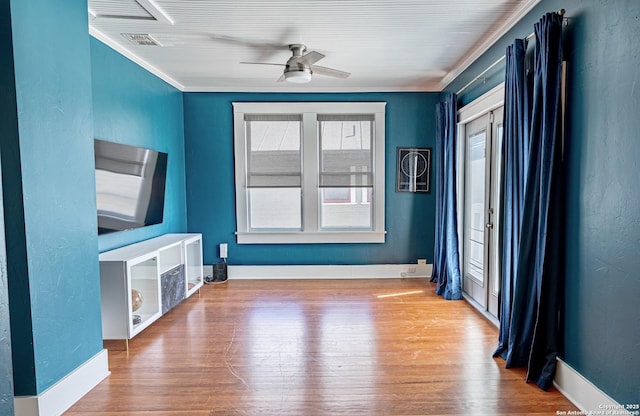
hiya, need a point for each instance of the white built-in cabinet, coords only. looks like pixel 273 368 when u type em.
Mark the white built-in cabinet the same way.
pixel 142 281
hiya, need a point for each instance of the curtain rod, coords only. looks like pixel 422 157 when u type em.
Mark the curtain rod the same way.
pixel 502 58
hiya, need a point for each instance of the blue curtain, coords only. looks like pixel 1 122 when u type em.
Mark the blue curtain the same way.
pixel 531 284
pixel 517 119
pixel 446 264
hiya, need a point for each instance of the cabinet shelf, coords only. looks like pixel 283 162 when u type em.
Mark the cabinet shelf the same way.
pixel 146 319
pixel 170 257
pixel 163 270
pixel 194 270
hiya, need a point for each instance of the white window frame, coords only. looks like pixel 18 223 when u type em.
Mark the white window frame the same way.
pixel 311 231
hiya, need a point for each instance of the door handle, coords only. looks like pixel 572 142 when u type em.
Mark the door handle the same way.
pixel 489 225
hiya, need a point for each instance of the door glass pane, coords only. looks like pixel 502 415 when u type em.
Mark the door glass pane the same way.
pixel 475 205
pixel 496 186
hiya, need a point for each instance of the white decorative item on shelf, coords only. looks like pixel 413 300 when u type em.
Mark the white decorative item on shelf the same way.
pixel 136 300
pixel 136 303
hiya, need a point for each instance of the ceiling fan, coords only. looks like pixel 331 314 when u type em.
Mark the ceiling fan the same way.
pixel 301 66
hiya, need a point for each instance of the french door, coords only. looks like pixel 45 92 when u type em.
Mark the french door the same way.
pixel 481 163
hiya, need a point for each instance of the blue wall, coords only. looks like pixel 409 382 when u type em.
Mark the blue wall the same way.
pixel 52 247
pixel 602 45
pixel 211 187
pixel 6 367
pixel 48 121
pixel 9 129
pixel 133 106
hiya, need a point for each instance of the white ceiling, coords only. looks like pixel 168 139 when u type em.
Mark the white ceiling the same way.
pixel 404 45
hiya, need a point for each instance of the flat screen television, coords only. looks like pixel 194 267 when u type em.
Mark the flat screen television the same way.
pixel 130 186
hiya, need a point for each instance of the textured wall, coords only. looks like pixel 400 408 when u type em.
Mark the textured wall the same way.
pixel 132 106
pixel 410 121
pixel 9 128
pixel 602 47
pixel 51 242
pixel 6 368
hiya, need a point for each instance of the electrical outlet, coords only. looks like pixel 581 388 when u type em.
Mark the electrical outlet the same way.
pixel 422 261
pixel 411 270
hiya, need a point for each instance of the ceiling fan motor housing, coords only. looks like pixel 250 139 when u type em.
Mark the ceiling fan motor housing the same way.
pixel 295 71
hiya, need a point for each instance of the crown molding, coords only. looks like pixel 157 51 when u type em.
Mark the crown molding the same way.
pixel 488 42
pixel 133 57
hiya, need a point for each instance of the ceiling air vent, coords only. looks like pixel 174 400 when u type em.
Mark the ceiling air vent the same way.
pixel 141 39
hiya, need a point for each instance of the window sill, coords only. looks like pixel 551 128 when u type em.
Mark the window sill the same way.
pixel 325 237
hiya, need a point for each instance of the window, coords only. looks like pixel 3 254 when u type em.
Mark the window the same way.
pixel 273 172
pixel 309 172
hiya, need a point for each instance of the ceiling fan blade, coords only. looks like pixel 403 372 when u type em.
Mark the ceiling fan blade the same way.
pixel 249 42
pixel 310 58
pixel 266 54
pixel 330 72
pixel 281 79
pixel 262 63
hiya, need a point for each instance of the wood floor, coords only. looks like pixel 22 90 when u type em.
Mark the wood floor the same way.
pixel 310 347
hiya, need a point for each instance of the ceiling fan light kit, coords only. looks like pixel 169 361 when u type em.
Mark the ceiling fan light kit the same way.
pixel 298 76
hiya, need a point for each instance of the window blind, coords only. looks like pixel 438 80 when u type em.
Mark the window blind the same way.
pixel 273 150
pixel 346 158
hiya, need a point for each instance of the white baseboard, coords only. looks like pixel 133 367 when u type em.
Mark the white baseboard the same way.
pixel 371 271
pixel 62 395
pixel 583 393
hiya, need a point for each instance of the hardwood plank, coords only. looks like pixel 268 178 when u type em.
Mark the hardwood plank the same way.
pixel 316 347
